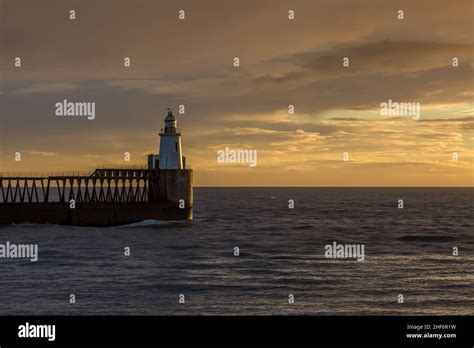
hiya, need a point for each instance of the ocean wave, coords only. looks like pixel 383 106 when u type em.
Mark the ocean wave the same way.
pixel 207 220
pixel 27 224
pixel 303 227
pixel 426 238
pixel 155 223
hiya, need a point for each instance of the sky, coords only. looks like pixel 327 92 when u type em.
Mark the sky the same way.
pixel 283 62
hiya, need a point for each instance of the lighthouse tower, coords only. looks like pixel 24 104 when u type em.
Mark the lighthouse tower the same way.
pixel 171 155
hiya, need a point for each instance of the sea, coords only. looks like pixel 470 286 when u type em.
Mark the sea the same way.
pixel 257 251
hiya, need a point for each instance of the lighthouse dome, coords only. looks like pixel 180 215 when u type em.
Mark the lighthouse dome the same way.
pixel 170 122
pixel 170 116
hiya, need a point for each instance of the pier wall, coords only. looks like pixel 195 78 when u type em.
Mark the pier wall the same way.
pixel 91 214
pixel 174 186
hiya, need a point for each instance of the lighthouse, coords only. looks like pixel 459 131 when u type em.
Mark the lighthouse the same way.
pixel 171 154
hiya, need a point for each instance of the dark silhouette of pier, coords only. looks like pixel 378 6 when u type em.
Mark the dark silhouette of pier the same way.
pixel 109 195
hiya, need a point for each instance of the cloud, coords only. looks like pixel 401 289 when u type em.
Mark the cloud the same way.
pixel 38 153
pixel 387 57
pixel 45 88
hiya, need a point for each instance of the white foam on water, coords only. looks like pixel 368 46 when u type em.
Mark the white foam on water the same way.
pixel 146 223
